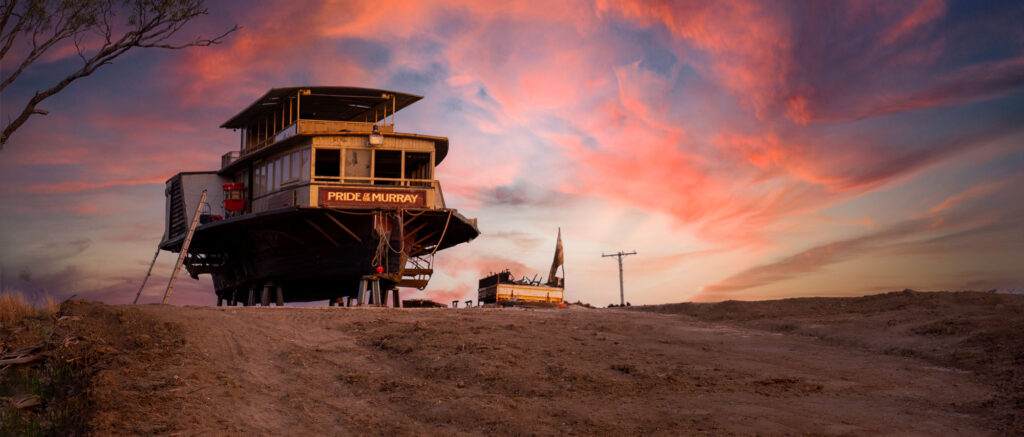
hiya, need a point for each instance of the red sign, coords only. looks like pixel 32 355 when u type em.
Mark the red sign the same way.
pixel 335 197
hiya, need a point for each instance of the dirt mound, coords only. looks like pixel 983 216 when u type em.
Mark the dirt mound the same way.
pixel 81 347
pixel 972 332
pixel 716 369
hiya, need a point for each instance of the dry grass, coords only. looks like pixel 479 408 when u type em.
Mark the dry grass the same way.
pixel 14 308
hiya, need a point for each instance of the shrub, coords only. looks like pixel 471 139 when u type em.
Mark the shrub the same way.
pixel 14 308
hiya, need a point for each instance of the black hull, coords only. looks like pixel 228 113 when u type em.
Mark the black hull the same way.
pixel 316 254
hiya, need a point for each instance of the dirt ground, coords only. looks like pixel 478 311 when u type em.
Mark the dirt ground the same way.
pixel 893 364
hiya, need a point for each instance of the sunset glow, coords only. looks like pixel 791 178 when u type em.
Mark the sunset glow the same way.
pixel 745 150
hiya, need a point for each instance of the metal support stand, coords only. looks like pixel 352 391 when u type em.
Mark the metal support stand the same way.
pixel 455 304
pixel 265 295
pixel 391 299
pixel 369 291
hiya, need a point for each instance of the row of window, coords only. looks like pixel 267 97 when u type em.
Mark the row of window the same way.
pixel 359 165
pixel 283 170
pixel 381 167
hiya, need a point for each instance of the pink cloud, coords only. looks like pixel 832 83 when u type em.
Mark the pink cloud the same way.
pixel 78 186
pixel 971 193
pixel 925 12
pixel 917 235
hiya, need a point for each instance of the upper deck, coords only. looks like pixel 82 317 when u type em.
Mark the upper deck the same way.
pixel 286 113
pixel 299 146
pixel 316 147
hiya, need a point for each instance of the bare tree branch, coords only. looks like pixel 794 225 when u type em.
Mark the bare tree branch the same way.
pixel 149 24
pixel 8 38
pixel 8 10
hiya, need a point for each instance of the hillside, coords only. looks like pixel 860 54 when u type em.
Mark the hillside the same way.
pixel 900 363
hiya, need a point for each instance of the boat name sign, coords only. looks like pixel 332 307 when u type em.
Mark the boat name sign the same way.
pixel 364 197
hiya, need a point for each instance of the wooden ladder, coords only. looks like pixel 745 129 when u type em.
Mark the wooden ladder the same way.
pixel 184 248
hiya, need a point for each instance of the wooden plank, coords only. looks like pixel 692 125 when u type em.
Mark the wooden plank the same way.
pixel 417 243
pixel 325 234
pixel 417 271
pixel 148 272
pixel 413 283
pixel 414 231
pixel 337 222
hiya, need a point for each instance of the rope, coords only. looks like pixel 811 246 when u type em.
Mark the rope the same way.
pixel 411 214
pixel 350 212
pixel 436 246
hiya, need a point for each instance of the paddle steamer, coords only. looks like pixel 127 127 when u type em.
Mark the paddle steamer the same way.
pixel 322 194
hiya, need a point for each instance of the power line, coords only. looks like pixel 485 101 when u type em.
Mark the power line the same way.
pixel 622 295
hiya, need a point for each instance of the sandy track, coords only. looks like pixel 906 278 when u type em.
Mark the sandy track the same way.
pixel 299 371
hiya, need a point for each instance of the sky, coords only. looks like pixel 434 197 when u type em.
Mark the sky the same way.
pixel 744 150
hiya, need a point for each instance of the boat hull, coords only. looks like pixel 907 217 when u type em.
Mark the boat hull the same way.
pixel 313 254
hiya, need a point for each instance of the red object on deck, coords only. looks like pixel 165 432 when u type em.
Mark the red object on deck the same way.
pixel 234 197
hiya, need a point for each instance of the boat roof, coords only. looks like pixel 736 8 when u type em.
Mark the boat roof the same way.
pixel 329 103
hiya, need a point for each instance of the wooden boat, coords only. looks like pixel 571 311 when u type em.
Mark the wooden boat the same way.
pixel 322 193
pixel 503 289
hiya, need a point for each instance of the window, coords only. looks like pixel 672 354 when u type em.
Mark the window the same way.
pixel 304 170
pixel 286 169
pixel 357 165
pixel 417 166
pixel 273 176
pixel 387 164
pixel 261 179
pixel 294 168
pixel 328 162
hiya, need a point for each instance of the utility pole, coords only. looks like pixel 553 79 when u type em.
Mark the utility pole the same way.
pixel 622 295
